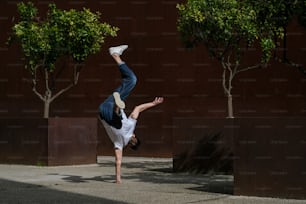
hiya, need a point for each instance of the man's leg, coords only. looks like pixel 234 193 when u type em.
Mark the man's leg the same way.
pixel 108 107
pixel 129 79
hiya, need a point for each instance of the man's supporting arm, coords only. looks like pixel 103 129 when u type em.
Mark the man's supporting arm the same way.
pixel 118 156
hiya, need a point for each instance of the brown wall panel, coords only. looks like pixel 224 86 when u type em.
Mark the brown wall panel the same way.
pixel 270 157
pixel 266 155
pixel 24 141
pixel 53 141
pixel 203 145
pixel 188 79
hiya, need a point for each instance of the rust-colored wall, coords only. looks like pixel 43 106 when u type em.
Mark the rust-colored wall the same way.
pixel 188 79
pixel 203 145
pixel 266 155
pixel 270 157
pixel 51 142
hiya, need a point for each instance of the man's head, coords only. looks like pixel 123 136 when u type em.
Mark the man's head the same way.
pixel 134 142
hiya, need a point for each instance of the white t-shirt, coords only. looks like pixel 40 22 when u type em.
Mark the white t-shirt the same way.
pixel 121 137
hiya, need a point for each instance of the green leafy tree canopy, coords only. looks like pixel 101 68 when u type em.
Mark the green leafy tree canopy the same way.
pixel 227 28
pixel 69 33
pixel 223 26
pixel 64 32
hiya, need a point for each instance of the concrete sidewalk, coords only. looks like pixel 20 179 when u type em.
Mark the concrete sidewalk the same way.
pixel 145 180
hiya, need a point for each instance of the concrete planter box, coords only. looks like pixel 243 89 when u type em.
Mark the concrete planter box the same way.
pixel 48 142
pixel 202 145
pixel 270 157
pixel 267 156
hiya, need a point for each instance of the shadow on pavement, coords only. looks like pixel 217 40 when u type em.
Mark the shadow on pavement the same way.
pixel 161 172
pixel 16 192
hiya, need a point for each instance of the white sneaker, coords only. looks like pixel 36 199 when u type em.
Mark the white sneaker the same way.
pixel 117 50
pixel 120 103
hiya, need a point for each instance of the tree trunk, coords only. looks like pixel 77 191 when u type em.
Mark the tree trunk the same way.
pixel 230 106
pixel 46 108
pixel 227 87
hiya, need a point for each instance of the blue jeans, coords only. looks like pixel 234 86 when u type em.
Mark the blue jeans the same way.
pixel 107 108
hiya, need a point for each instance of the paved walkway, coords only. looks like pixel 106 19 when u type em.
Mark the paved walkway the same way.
pixel 145 180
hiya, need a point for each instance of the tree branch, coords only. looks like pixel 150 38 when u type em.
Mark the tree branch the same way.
pixel 226 90
pixel 47 81
pixel 61 92
pixel 76 73
pixel 34 85
pixel 249 68
pixel 299 67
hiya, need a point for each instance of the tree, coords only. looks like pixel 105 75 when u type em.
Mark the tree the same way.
pixel 227 28
pixel 63 34
pixel 283 15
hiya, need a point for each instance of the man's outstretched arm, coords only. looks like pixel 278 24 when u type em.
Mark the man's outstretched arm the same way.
pixel 142 107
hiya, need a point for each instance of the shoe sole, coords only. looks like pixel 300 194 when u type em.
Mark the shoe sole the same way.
pixel 118 100
pixel 122 48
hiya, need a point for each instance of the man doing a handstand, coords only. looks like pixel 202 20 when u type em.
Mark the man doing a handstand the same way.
pixel 118 126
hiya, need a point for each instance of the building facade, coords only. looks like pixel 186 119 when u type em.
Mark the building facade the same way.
pixel 189 80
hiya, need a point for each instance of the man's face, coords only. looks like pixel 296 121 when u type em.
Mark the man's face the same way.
pixel 133 141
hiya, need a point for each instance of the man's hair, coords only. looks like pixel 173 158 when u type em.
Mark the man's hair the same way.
pixel 136 146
